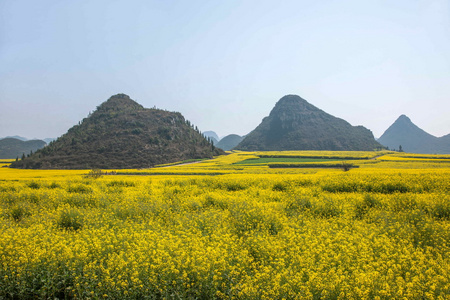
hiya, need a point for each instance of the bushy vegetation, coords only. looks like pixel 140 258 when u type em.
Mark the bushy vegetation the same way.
pixel 374 232
pixel 123 134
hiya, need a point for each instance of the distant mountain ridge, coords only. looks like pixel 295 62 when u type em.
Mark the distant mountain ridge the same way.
pixel 229 142
pixel 17 137
pixel 123 134
pixel 295 124
pixel 47 140
pixel 403 132
pixel 15 148
pixel 213 136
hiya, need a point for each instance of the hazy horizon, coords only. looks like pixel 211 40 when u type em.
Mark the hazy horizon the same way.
pixel 224 65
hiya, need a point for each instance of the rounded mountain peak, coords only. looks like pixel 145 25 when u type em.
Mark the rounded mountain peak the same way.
pixel 290 99
pixel 292 104
pixel 403 118
pixel 120 102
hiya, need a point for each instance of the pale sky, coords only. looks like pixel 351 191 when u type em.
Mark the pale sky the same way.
pixel 224 64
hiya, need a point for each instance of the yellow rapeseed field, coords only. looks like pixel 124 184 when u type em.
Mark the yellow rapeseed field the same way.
pixel 220 230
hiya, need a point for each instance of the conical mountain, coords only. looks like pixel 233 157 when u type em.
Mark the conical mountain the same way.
pixel 403 132
pixel 123 134
pixel 295 124
pixel 229 142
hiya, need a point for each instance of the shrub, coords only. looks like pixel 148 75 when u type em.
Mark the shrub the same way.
pixel 280 186
pixel 70 219
pixel 18 212
pixel 363 207
pixel 346 166
pixel 34 185
pixel 326 208
pixel 54 185
pixel 80 188
pixel 234 186
pixel 402 202
pixel 213 202
pixel 94 173
pixel 441 210
pixel 248 217
pixel 121 183
pixel 296 205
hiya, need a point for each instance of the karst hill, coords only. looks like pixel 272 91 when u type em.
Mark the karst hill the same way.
pixel 403 132
pixel 230 141
pixel 121 133
pixel 295 124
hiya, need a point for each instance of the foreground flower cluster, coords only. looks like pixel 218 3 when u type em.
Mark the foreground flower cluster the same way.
pixel 370 233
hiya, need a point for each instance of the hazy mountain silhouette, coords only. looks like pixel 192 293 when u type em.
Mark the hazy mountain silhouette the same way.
pixel 24 139
pixel 230 141
pixel 212 136
pixel 49 140
pixel 403 132
pixel 15 148
pixel 295 124
pixel 123 134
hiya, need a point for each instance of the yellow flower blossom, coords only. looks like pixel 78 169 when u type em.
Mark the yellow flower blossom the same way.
pixel 221 230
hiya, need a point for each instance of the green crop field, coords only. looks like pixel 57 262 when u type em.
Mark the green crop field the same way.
pixel 267 160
